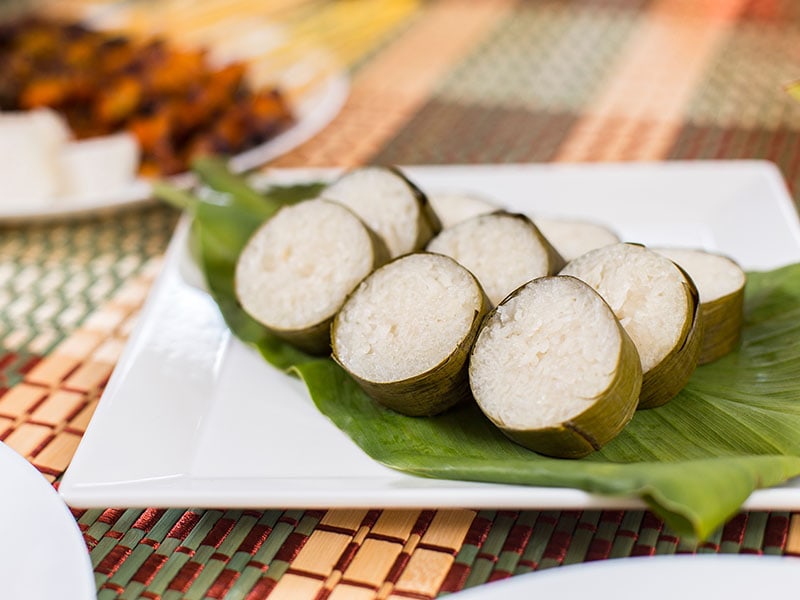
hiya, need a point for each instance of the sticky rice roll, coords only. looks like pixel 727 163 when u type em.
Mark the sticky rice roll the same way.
pixel 720 282
pixel 574 237
pixel 391 205
pixel 454 207
pixel 554 369
pixel 503 250
pixel 297 269
pixel 659 307
pixel 405 333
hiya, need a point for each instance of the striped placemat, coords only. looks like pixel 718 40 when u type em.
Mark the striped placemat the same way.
pixel 450 81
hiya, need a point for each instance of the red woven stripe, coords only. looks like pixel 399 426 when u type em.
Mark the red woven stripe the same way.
pixel 118 589
pixel 668 539
pixel 650 521
pixel 255 539
pixel 323 594
pixel 187 574
pixel 184 526
pixel 517 539
pixel 476 535
pixel 612 516
pixel 29 364
pixel 346 558
pixel 456 578
pixel 288 520
pixel 776 531
pixel 222 584
pixel 498 575
pixel 111 515
pixel 218 533
pixel 643 550
pixel 261 589
pixel 370 518
pixel 423 522
pixel 6 360
pixel 291 547
pixel 586 526
pixel 348 531
pixel 437 548
pixel 487 557
pixel 598 550
pixel 397 568
pixel 557 546
pixel 548 519
pixel 148 518
pixel 109 565
pixel 149 568
pixel 308 574
pixel 47 470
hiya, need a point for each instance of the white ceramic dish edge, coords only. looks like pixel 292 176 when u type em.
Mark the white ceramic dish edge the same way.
pixel 202 452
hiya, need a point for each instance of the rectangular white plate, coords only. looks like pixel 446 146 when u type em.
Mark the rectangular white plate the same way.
pixel 192 417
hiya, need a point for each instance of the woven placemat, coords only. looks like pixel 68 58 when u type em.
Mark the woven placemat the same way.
pixel 511 82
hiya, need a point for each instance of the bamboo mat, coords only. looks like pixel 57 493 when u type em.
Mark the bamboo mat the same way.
pixel 450 81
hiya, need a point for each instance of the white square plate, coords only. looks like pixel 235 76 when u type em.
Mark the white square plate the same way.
pixel 192 417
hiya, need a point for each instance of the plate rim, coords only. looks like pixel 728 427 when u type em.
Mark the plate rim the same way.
pixel 635 570
pixel 24 474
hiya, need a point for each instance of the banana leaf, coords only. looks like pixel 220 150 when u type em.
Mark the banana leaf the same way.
pixel 733 429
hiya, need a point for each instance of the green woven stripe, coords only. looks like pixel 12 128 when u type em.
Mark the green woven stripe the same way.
pixel 53 276
pixel 742 84
pixel 582 537
pixel 509 560
pixel 542 530
pixel 444 132
pixel 627 534
pixel 250 574
pixel 490 549
pixel 564 530
pixel 667 541
pixel 522 64
pixel 115 535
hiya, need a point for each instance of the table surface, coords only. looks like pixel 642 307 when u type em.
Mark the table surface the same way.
pixel 453 81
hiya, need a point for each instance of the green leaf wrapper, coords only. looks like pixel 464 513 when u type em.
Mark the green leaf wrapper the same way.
pixel 694 461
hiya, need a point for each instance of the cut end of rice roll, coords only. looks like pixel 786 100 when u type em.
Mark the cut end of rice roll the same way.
pixel 572 238
pixel 296 271
pixel 390 204
pixel 553 368
pixel 454 207
pixel 658 306
pixel 503 250
pixel 720 283
pixel 404 334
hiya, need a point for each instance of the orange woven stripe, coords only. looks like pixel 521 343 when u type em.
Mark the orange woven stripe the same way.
pixel 392 87
pixel 638 115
